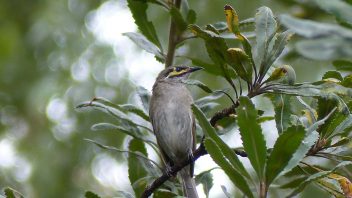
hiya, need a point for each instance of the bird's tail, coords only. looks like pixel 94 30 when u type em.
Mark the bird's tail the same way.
pixel 188 183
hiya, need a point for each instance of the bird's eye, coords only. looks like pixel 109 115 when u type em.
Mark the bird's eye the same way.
pixel 178 69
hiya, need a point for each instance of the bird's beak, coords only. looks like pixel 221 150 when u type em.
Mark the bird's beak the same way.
pixel 193 69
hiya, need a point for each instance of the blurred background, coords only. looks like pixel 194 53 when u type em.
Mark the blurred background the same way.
pixel 55 55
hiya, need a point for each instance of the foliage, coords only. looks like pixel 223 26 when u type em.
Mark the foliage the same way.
pixel 312 134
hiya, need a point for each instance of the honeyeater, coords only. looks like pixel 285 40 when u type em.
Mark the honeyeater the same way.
pixel 173 121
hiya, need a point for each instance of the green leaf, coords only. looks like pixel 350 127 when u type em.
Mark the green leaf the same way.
pixel 178 19
pixel 282 109
pixel 343 65
pixel 241 63
pixel 136 110
pixel 340 9
pixel 12 193
pixel 326 41
pixel 139 13
pixel 191 16
pixel 333 74
pixel 323 89
pixel 144 95
pixel 198 84
pixel 265 28
pixel 280 41
pixel 284 148
pixel 252 136
pixel 232 161
pixel 210 68
pixel 136 170
pixel 90 194
pixel 206 179
pixel 317 176
pixel 216 154
pixel 302 150
pixel 145 44
pixel 163 194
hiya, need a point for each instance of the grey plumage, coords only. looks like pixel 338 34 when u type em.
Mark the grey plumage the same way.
pixel 173 121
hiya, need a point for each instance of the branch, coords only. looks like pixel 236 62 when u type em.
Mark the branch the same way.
pixel 173 38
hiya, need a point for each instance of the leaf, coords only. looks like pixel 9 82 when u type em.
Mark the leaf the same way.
pixel 252 136
pixel 198 84
pixel 210 68
pixel 317 176
pixel 144 95
pixel 163 194
pixel 206 179
pixel 265 28
pixel 344 183
pixel 302 150
pixel 331 188
pixel 340 9
pixel 178 19
pixel 324 89
pixel 232 163
pixel 136 169
pixel 124 194
pixel 136 110
pixel 227 194
pixel 284 148
pixel 139 13
pixel 342 65
pixel 191 17
pixel 282 109
pixel 326 41
pixel 241 63
pixel 280 41
pixel 12 193
pixel 145 44
pixel 332 74
pixel 216 154
pixel 90 194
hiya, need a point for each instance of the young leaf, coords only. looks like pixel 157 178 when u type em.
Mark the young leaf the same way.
pixel 265 28
pixel 135 169
pixel 145 44
pixel 284 148
pixel 252 136
pixel 139 13
pixel 241 63
pixel 216 154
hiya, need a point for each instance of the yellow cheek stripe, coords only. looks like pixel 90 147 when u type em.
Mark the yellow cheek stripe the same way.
pixel 175 73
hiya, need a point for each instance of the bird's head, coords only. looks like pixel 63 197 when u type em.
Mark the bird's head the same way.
pixel 176 73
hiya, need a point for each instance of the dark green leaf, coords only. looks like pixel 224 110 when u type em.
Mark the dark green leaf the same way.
pixel 294 183
pixel 163 194
pixel 317 176
pixel 265 28
pixel 343 65
pixel 198 84
pixel 332 74
pixel 241 63
pixel 11 193
pixel 284 148
pixel 216 154
pixel 302 150
pixel 136 170
pixel 90 194
pixel 233 164
pixel 178 19
pixel 145 44
pixel 139 13
pixel 191 16
pixel 252 136
pixel 210 68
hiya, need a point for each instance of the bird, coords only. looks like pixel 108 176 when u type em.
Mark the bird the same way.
pixel 173 122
